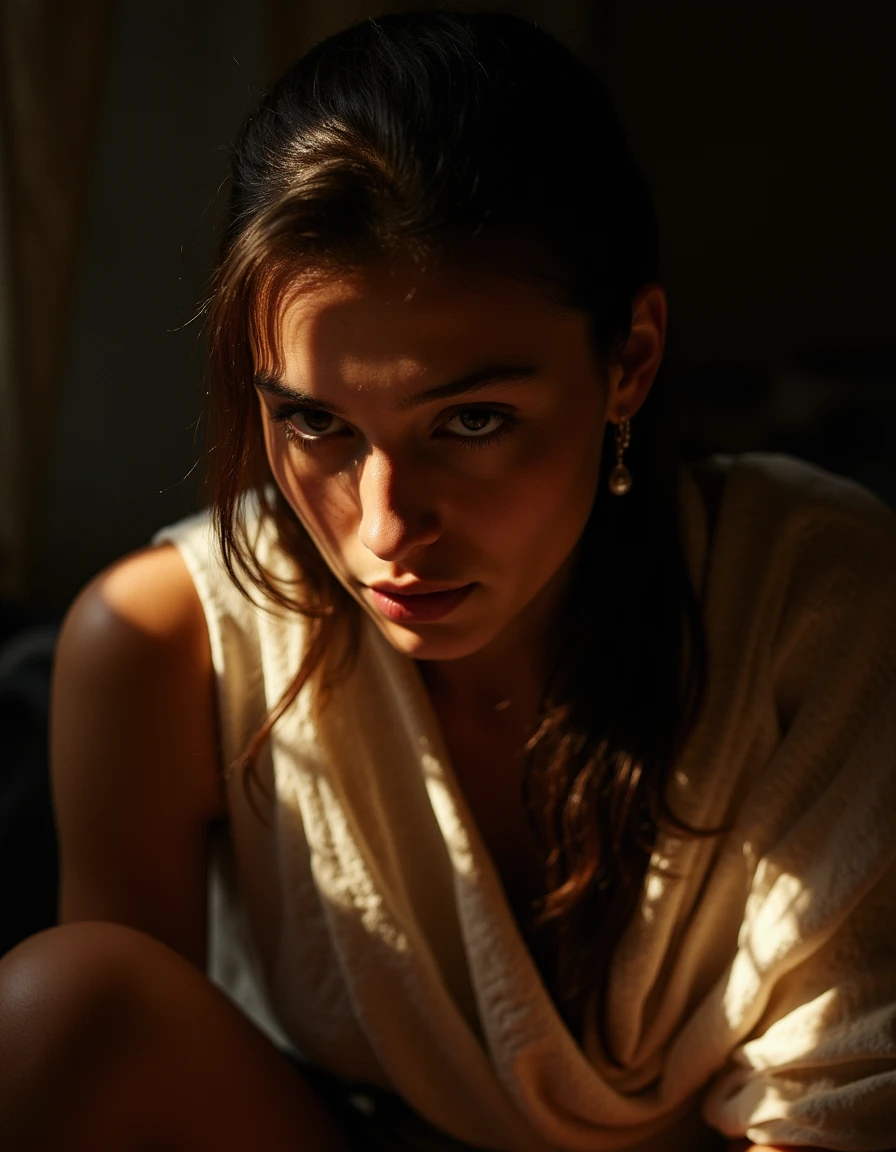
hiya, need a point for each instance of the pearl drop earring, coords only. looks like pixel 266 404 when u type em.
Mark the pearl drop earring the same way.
pixel 620 480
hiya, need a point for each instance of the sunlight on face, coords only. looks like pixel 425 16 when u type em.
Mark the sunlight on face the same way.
pixel 440 439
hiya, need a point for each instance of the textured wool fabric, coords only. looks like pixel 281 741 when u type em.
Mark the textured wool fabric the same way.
pixel 357 916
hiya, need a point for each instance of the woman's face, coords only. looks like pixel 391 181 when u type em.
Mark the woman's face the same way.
pixel 440 439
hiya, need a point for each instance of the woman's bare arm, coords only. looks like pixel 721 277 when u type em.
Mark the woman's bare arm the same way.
pixel 135 766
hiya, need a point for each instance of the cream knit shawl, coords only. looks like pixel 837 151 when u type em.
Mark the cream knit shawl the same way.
pixel 361 921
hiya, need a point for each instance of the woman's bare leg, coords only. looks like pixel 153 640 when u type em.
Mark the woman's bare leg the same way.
pixel 110 1040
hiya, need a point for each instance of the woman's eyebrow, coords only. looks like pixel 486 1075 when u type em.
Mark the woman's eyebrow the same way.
pixel 490 376
pixel 266 382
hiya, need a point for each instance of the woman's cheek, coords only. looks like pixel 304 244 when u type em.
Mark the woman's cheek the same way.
pixel 559 477
pixel 328 509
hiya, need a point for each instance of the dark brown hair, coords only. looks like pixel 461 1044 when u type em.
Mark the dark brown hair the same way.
pixel 434 133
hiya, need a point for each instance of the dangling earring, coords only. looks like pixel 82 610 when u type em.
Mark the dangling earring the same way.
pixel 620 478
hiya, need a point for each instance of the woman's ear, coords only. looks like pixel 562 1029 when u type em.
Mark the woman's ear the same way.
pixel 632 372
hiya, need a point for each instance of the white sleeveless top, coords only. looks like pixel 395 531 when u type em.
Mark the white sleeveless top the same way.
pixel 359 919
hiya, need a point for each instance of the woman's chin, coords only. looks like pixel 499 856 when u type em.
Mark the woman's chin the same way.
pixel 432 641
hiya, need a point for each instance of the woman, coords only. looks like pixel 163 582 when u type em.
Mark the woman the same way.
pixel 544 781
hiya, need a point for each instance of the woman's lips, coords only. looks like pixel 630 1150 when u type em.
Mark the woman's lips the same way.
pixel 417 607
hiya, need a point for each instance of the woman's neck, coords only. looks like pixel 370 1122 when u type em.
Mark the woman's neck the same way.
pixel 485 685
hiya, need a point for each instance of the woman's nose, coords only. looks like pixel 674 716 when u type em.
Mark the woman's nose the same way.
pixel 396 505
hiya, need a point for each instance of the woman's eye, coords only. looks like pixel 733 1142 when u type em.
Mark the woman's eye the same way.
pixel 312 424
pixel 473 423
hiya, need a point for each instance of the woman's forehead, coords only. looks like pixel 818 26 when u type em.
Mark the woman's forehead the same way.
pixel 394 310
pixel 392 298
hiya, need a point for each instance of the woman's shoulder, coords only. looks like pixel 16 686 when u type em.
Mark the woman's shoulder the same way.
pixel 801 569
pixel 779 513
pixel 144 603
pixel 132 654
pixel 194 539
pixel 798 571
pixel 198 541
pixel 172 601
pixel 788 490
pixel 257 642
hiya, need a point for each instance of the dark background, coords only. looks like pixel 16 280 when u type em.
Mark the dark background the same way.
pixel 767 132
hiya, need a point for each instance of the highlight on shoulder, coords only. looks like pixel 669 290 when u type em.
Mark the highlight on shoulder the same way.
pixel 150 591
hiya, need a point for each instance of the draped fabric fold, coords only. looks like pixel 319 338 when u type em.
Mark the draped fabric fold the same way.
pixel 755 980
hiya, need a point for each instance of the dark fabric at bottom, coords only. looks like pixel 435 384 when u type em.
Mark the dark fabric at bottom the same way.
pixel 375 1120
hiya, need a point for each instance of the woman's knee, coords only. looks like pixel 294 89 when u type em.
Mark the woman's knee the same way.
pixel 72 1005
pixel 69 981
pixel 125 1036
